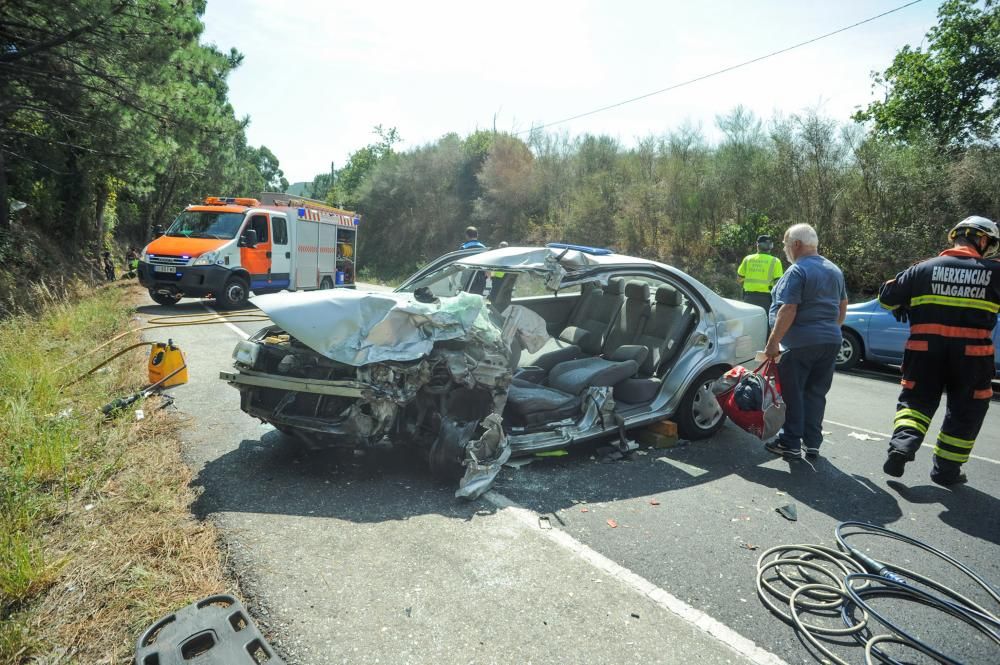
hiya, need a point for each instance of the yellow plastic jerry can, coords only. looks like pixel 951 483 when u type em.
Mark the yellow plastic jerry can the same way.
pixel 164 360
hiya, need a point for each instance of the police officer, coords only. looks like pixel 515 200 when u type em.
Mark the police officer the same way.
pixel 951 302
pixel 758 273
pixel 472 239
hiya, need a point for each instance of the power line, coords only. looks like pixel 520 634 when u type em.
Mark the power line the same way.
pixel 720 71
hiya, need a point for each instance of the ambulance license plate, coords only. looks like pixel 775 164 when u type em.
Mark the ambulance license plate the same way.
pixel 170 269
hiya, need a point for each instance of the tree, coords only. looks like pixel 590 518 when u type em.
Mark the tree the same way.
pixel 267 164
pixel 105 101
pixel 360 164
pixel 948 91
pixel 509 190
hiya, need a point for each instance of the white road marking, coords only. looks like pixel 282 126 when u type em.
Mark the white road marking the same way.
pixel 696 618
pixel 228 324
pixel 889 436
pixel 689 469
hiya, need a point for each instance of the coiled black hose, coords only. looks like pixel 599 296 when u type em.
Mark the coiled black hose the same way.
pixel 857 578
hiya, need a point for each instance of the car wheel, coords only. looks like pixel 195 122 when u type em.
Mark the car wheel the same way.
pixel 448 451
pixel 850 350
pixel 327 283
pixel 234 294
pixel 165 299
pixel 700 415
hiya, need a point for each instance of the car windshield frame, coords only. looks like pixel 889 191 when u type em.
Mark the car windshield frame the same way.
pixel 219 225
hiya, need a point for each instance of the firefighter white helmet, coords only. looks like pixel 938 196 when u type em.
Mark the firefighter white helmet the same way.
pixel 976 227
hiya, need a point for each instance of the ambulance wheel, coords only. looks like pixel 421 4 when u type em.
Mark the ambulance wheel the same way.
pixel 234 294
pixel 165 299
pixel 700 415
pixel 327 283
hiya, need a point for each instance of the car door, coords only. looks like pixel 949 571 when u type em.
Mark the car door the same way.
pixel 281 255
pixel 886 337
pixel 996 344
pixel 257 259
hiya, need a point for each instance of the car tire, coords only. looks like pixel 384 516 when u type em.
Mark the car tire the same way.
pixel 850 350
pixel 697 418
pixel 165 299
pixel 234 294
pixel 326 283
pixel 448 450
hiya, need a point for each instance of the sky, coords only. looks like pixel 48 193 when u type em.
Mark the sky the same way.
pixel 319 75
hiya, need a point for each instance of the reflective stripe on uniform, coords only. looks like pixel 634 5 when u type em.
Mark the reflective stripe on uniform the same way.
pixel 908 422
pixel 985 393
pixel 980 350
pixel 916 345
pixel 912 418
pixel 949 331
pixel 913 413
pixel 953 448
pixel 955 301
pixel 955 441
pixel 961 458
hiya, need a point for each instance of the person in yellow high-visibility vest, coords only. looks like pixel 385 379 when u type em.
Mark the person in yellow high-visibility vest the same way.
pixel 758 273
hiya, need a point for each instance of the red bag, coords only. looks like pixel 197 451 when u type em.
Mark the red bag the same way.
pixel 767 414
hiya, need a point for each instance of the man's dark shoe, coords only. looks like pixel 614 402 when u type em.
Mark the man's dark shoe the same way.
pixel 785 453
pixel 812 452
pixel 949 481
pixel 895 464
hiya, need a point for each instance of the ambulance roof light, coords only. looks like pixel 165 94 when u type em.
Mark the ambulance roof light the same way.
pixel 229 200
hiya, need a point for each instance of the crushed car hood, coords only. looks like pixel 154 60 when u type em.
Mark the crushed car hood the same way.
pixel 358 328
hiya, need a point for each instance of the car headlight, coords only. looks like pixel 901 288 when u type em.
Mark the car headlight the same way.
pixel 144 257
pixel 206 259
pixel 245 353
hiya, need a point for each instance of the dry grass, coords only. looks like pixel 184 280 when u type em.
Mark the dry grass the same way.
pixel 96 537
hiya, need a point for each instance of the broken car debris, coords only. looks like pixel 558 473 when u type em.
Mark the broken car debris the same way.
pixel 459 360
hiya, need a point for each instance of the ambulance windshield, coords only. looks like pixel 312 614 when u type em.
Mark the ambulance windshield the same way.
pixel 205 224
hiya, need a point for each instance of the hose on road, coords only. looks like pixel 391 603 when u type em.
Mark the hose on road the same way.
pixel 173 321
pixel 846 580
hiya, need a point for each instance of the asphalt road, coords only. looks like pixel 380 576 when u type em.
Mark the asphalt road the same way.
pixel 366 559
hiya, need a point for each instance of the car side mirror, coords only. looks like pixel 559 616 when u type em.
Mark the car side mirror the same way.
pixel 158 230
pixel 248 239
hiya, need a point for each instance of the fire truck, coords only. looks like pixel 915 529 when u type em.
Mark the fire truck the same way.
pixel 226 248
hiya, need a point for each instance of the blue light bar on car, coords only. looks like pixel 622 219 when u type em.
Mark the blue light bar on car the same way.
pixel 597 251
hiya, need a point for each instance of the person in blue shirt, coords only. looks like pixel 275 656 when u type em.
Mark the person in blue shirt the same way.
pixel 472 239
pixel 808 308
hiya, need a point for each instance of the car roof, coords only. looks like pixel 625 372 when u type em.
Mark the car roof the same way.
pixel 544 258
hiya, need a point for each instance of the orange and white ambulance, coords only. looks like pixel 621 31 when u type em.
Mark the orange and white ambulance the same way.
pixel 227 248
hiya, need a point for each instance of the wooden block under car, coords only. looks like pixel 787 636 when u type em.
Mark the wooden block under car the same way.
pixel 664 427
pixel 654 439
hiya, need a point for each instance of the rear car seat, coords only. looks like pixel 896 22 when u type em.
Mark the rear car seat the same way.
pixel 663 335
pixel 585 330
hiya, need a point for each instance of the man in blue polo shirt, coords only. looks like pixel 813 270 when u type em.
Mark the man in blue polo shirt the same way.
pixel 808 308
pixel 472 239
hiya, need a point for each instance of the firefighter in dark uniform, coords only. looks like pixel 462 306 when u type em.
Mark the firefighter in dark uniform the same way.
pixel 951 302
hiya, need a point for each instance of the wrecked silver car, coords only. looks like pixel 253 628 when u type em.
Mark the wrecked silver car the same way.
pixel 487 354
